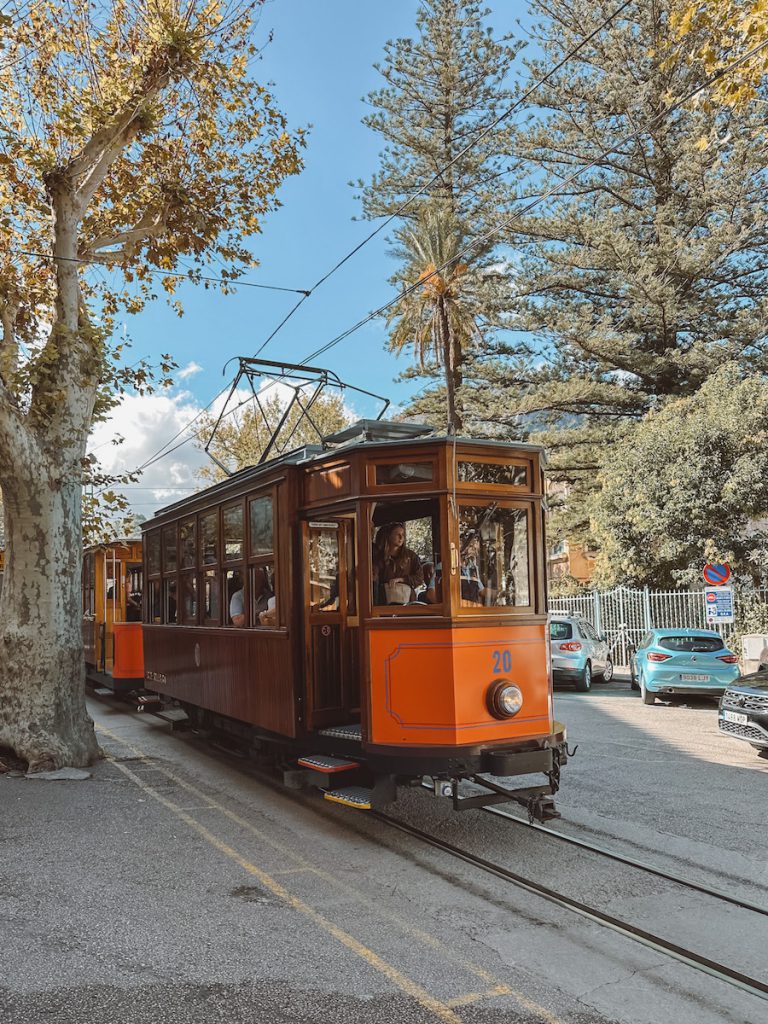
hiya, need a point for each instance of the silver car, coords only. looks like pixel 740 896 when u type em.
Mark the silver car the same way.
pixel 579 654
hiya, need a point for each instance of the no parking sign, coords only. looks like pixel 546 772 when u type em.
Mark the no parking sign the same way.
pixel 716 574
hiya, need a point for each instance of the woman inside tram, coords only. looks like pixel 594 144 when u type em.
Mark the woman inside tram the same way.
pixel 397 570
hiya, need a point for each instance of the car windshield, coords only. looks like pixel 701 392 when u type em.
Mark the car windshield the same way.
pixel 560 631
pixel 692 644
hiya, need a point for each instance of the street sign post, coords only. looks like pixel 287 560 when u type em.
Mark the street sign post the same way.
pixel 716 574
pixel 718 602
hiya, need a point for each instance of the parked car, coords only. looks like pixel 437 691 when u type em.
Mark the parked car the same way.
pixel 744 710
pixel 578 653
pixel 682 661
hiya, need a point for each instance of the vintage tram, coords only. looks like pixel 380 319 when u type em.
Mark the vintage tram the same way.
pixel 267 615
pixel 112 628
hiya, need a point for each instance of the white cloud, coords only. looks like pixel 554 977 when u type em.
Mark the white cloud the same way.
pixel 189 371
pixel 148 423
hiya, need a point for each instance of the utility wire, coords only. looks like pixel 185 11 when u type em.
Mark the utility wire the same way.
pixel 716 76
pixel 189 276
pixel 441 170
pixel 507 221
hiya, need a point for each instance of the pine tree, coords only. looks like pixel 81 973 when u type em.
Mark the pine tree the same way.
pixel 443 88
pixel 647 273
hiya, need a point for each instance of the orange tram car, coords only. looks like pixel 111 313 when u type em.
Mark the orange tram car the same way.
pixel 372 609
pixel 112 629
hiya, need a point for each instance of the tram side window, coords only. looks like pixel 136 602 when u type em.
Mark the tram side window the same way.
pixel 89 586
pixel 170 601
pixel 188 543
pixel 495 567
pixel 154 610
pixel 234 533
pixel 263 599
pixel 209 538
pixel 153 552
pixel 259 597
pixel 406 561
pixel 211 597
pixel 324 569
pixel 188 592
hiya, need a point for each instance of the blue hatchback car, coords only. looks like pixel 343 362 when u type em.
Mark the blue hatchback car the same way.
pixel 682 661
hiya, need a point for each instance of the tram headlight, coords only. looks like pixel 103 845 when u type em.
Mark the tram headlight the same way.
pixel 504 699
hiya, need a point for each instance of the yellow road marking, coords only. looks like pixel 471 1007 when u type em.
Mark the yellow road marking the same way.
pixel 404 983
pixel 497 987
pixel 475 997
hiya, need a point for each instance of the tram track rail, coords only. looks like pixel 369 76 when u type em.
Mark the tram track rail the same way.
pixel 690 958
pixel 622 858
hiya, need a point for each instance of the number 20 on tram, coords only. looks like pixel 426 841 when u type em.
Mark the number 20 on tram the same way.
pixel 373 608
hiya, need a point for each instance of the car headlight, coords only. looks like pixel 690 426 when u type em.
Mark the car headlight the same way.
pixel 504 699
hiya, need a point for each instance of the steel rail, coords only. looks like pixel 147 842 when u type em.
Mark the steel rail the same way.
pixel 633 862
pixel 685 956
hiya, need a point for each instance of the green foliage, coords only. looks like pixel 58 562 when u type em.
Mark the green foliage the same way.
pixel 649 272
pixel 242 437
pixel 441 318
pixel 688 485
pixel 443 88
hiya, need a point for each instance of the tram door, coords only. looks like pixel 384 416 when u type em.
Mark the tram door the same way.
pixel 333 692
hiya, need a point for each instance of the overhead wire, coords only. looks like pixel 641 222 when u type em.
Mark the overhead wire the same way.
pixel 446 167
pixel 190 275
pixel 716 76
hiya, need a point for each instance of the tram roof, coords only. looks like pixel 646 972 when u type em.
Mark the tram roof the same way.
pixel 363 434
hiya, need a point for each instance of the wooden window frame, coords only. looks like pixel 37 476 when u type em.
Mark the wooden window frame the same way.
pixel 390 611
pixel 482 486
pixel 261 559
pixel 406 486
pixel 533 569
pixel 243 510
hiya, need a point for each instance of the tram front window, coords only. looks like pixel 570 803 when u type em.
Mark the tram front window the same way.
pixel 494 556
pixel 405 553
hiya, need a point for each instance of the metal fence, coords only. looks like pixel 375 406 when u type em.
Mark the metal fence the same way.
pixel 626 614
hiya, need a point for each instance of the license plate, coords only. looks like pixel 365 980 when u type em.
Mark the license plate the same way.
pixel 734 716
pixel 693 678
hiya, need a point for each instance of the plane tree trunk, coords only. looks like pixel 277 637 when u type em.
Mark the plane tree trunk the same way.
pixel 43 716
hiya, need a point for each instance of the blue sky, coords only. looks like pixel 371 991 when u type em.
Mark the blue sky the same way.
pixel 321 63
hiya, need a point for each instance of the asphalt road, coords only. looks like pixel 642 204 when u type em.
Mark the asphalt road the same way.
pixel 177 886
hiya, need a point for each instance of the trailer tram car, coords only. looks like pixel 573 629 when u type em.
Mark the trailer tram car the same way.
pixel 264 616
pixel 112 628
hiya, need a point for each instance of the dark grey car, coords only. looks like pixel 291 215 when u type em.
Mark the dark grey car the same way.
pixel 743 711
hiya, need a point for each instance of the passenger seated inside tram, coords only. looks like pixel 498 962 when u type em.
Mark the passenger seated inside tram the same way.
pixel 472 587
pixel 237 601
pixel 397 570
pixel 473 590
pixel 264 601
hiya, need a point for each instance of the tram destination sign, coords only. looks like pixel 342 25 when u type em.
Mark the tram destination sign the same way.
pixel 718 602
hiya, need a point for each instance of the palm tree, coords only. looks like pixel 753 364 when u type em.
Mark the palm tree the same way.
pixel 440 308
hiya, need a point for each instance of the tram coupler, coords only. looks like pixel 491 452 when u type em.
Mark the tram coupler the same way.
pixel 542 808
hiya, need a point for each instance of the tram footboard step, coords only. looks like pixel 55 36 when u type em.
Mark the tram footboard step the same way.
pixel 351 796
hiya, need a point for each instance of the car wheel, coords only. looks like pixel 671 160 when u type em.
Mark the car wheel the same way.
pixel 584 682
pixel 649 697
pixel 608 671
pixel 633 683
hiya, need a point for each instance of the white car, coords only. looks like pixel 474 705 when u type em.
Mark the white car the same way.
pixel 578 653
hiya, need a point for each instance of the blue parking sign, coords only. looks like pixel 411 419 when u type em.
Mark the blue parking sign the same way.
pixel 718 602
